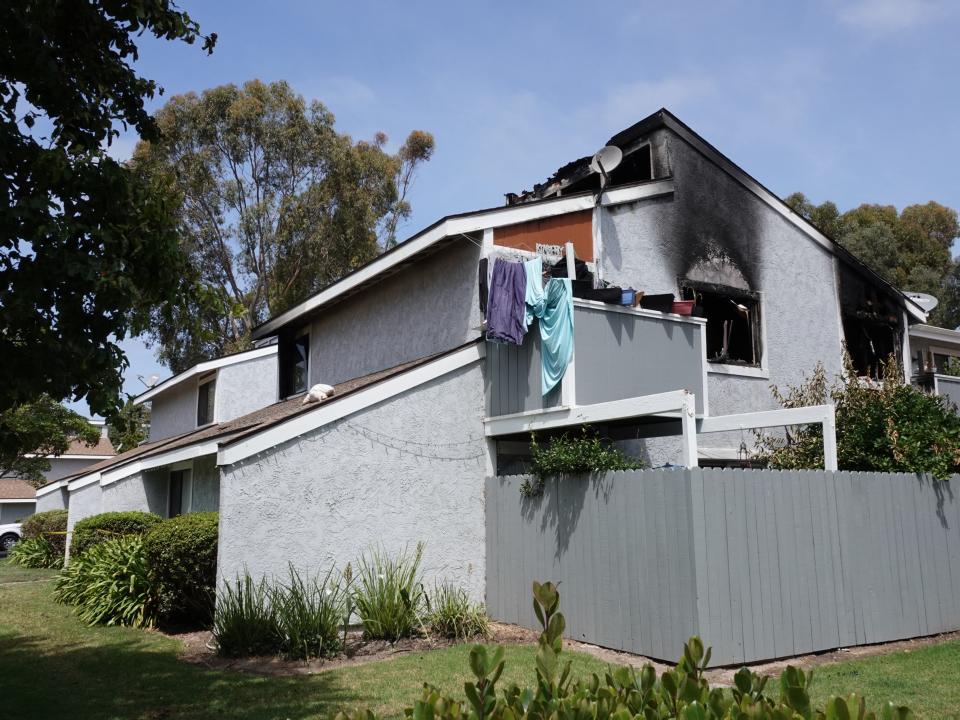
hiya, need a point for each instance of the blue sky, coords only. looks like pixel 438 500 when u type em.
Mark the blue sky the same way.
pixel 852 101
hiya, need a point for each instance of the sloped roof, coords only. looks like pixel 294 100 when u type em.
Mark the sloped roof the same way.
pixel 16 489
pixel 102 447
pixel 247 424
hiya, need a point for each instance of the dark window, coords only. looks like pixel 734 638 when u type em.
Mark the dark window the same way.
pixel 205 397
pixel 175 506
pixel 733 322
pixel 294 365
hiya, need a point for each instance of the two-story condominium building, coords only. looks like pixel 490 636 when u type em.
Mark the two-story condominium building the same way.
pixel 426 406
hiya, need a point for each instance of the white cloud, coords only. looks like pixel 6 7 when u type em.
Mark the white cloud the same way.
pixel 883 17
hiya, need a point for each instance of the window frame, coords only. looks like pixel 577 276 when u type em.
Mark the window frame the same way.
pixel 211 407
pixel 184 475
pixel 286 374
pixel 758 326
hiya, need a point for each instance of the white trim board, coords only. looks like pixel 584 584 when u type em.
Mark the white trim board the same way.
pixel 349 404
pixel 83 481
pixel 482 220
pixel 203 367
pixel 47 489
pixel 17 501
pixel 171 457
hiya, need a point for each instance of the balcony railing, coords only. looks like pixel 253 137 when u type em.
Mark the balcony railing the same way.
pixel 619 353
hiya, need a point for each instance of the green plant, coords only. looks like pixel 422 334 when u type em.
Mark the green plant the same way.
pixel 182 555
pixel 245 622
pixel 566 455
pixel 888 426
pixel 51 525
pixel 36 552
pixel 389 597
pixel 309 614
pixel 110 584
pixel 108 526
pixel 951 367
pixel 452 615
pixel 624 693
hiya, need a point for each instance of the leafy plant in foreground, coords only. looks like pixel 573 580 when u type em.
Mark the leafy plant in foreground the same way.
pixel 452 615
pixel 37 552
pixel 309 614
pixel 245 623
pixel 110 584
pixel 389 597
pixel 624 693
pixel 50 525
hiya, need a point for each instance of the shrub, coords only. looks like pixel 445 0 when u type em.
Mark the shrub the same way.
pixel 35 552
pixel 309 615
pixel 245 623
pixel 389 597
pixel 110 584
pixel 51 525
pixel 885 427
pixel 108 526
pixel 624 692
pixel 182 555
pixel 565 455
pixel 452 615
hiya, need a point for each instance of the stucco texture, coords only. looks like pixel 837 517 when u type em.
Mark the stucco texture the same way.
pixel 409 469
pixel 174 411
pixel 84 502
pixel 651 244
pixel 427 307
pixel 146 491
pixel 56 500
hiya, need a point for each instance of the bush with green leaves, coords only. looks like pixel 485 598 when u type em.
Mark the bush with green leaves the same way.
pixel 310 615
pixel 889 426
pixel 573 455
pixel 182 556
pixel 110 584
pixel 389 597
pixel 451 614
pixel 36 552
pixel 245 622
pixel 109 526
pixel 50 525
pixel 624 693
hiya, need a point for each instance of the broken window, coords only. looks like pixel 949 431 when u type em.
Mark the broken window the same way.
pixel 733 321
pixel 871 325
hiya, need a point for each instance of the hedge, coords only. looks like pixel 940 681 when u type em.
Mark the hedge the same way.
pixel 182 555
pixel 50 525
pixel 107 526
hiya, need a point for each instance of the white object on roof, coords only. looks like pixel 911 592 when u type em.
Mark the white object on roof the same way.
pixel 319 393
pixel 924 300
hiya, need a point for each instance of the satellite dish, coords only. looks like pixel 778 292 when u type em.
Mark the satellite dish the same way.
pixel 606 159
pixel 924 300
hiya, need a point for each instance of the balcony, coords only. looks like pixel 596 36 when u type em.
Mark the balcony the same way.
pixel 619 353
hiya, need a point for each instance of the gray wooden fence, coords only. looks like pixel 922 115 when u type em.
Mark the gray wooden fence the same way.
pixel 761 564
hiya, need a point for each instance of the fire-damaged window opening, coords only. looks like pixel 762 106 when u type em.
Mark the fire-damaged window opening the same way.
pixel 871 326
pixel 636 166
pixel 733 321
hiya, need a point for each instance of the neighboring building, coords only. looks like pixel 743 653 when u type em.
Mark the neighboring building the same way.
pixel 935 359
pixel 53 495
pixel 17 500
pixel 425 410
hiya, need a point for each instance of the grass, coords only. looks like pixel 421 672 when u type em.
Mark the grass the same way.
pixel 927 680
pixel 53 666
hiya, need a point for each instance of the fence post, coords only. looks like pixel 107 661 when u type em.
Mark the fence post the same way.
pixel 688 426
pixel 830 439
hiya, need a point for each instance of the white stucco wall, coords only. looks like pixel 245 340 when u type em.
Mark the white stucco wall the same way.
pixel 84 502
pixel 55 500
pixel 61 467
pixel 146 491
pixel 241 388
pixel 647 245
pixel 409 469
pixel 428 307
pixel 245 387
pixel 174 412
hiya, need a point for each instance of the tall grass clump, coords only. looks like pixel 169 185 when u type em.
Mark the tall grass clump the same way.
pixel 309 615
pixel 452 615
pixel 245 622
pixel 389 597
pixel 36 552
pixel 110 584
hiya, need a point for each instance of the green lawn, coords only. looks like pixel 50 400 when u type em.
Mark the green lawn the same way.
pixel 51 666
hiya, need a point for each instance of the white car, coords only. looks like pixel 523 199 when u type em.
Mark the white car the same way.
pixel 9 536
